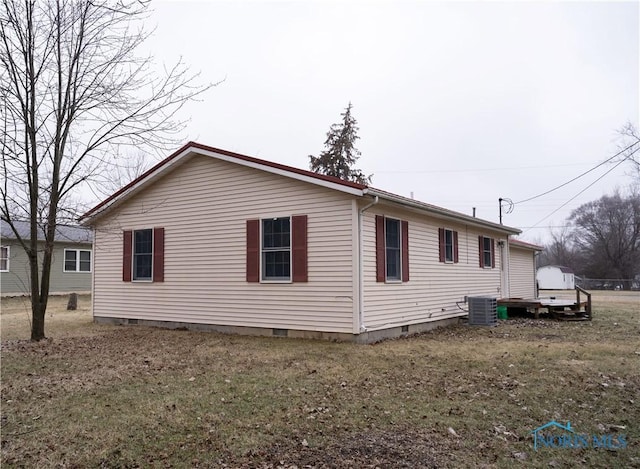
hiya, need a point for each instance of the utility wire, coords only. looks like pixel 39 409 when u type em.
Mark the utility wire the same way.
pixel 583 174
pixel 579 193
pixel 569 226
pixel 472 170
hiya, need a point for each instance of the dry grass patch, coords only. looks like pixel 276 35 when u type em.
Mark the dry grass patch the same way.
pixel 15 318
pixel 457 397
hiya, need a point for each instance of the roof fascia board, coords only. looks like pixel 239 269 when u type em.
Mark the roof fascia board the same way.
pixel 522 245
pixel 281 172
pixel 439 212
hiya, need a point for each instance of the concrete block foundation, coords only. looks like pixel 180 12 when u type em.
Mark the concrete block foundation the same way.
pixel 366 337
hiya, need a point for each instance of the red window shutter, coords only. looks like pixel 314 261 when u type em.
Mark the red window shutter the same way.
pixel 493 252
pixel 441 243
pixel 404 228
pixel 253 250
pixel 127 237
pixel 158 254
pixel 299 248
pixel 455 247
pixel 380 248
pixel 481 245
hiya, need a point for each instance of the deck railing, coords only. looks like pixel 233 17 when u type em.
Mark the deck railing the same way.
pixel 588 307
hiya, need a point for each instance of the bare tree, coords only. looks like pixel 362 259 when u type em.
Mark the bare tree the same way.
pixel 129 167
pixel 560 250
pixel 631 142
pixel 607 232
pixel 73 92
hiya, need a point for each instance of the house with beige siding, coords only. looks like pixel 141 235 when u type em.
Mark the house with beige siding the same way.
pixel 210 239
pixel 522 269
pixel 71 261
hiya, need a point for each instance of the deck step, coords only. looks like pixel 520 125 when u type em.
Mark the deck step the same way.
pixel 575 315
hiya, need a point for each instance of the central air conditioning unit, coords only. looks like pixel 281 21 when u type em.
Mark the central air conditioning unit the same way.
pixel 483 311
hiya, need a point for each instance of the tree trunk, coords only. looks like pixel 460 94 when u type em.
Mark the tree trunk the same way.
pixel 37 312
pixel 37 321
pixel 39 308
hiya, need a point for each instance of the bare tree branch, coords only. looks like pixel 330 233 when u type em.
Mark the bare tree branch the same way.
pixel 74 94
pixel 630 135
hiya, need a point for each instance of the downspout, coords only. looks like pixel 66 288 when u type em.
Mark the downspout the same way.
pixel 363 328
pixel 536 256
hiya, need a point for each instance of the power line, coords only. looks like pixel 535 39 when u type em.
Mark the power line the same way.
pixel 583 174
pixel 513 168
pixel 571 226
pixel 579 193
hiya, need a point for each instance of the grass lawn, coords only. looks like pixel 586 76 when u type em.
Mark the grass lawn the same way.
pixel 123 397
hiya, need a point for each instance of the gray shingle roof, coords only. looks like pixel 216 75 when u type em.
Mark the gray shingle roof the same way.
pixel 64 233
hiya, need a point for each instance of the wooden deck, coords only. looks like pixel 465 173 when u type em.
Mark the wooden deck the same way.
pixel 559 308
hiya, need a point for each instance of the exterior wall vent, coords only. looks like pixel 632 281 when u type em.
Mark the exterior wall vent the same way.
pixel 482 311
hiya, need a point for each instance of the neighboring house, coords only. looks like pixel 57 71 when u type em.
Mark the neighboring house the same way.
pixel 71 266
pixel 522 269
pixel 555 277
pixel 211 239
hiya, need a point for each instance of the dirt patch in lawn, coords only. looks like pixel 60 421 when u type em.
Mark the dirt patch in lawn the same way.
pixel 402 447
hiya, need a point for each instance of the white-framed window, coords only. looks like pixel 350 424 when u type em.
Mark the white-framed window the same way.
pixel 448 245
pixel 4 258
pixel 275 246
pixel 392 250
pixel 487 252
pixel 143 254
pixel 392 242
pixel 77 260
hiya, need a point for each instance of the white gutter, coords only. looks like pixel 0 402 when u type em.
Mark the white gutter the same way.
pixel 362 327
pixel 439 211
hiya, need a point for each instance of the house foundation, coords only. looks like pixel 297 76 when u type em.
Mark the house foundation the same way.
pixel 366 337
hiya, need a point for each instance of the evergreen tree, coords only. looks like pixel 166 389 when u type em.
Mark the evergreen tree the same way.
pixel 340 153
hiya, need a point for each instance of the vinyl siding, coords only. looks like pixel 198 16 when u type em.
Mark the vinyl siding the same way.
pixel 203 206
pixel 434 287
pixel 522 275
pixel 17 280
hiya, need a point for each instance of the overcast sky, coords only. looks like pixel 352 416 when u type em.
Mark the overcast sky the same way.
pixel 460 103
